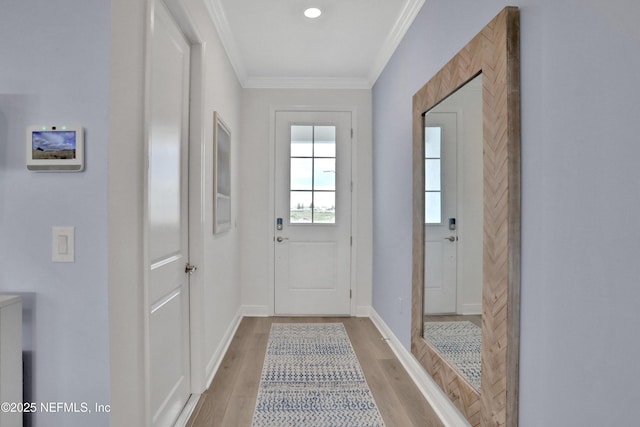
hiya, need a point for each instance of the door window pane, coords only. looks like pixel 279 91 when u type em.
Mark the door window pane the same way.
pixel 324 207
pixel 324 143
pixel 300 209
pixel 301 178
pixel 432 207
pixel 433 138
pixel 312 192
pixel 324 174
pixel 301 141
pixel 433 175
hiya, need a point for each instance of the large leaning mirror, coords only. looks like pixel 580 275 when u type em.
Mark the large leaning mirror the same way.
pixel 466 225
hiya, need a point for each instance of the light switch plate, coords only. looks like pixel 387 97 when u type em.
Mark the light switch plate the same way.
pixel 62 244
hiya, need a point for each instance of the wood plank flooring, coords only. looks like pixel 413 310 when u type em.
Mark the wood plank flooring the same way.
pixel 231 398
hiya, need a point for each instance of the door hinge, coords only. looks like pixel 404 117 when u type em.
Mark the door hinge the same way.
pixel 351 133
pixel 350 294
pixel 350 240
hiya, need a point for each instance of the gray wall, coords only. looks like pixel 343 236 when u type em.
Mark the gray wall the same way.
pixel 580 197
pixel 55 69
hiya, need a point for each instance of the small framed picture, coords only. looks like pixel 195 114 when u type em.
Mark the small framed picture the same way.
pixel 221 175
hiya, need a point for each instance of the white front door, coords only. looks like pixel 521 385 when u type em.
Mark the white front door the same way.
pixel 441 238
pixel 168 246
pixel 313 213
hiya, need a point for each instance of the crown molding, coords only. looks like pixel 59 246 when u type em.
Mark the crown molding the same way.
pixel 395 36
pixel 305 83
pixel 221 23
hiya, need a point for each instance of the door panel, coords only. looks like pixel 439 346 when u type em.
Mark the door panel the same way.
pixel 313 201
pixel 168 291
pixel 312 265
pixel 440 241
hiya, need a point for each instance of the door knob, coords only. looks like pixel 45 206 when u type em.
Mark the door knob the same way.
pixel 280 239
pixel 189 269
pixel 451 238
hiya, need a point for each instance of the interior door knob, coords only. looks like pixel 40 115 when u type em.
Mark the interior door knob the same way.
pixel 189 269
pixel 280 239
pixel 451 238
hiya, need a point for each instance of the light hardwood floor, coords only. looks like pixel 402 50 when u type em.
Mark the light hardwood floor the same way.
pixel 231 399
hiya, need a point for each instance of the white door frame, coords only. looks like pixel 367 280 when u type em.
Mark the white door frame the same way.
pixel 272 216
pixel 196 203
pixel 461 220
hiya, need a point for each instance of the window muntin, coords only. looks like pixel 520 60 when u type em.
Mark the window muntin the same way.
pixel 312 191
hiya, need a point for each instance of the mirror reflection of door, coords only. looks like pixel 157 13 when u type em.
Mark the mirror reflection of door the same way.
pixel 454 229
pixel 441 235
pixel 453 192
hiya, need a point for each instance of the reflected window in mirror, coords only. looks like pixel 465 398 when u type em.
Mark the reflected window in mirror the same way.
pixel 432 176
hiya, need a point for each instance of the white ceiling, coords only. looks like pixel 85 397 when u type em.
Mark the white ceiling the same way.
pixel 271 44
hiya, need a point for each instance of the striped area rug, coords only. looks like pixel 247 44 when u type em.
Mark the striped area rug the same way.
pixel 461 344
pixel 311 377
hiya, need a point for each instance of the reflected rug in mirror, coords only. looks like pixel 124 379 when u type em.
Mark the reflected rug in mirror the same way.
pixel 460 343
pixel 311 377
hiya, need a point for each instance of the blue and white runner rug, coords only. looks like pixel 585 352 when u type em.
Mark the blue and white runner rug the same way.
pixel 311 377
pixel 461 344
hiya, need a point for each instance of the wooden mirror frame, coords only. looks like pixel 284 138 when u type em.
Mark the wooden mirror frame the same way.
pixel 494 52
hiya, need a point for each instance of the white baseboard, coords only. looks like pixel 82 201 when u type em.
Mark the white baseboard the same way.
pixel 442 406
pixel 263 311
pixel 188 409
pixel 218 355
pixel 363 311
pixel 212 368
pixel 472 309
pixel 255 311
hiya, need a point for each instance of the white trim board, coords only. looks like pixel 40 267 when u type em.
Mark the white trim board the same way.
pixel 305 83
pixel 212 369
pixel 471 309
pixel 363 311
pixel 187 411
pixel 218 355
pixel 221 23
pixel 393 39
pixel 442 406
pixel 255 311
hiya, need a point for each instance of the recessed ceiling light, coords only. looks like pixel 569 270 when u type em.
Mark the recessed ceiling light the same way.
pixel 312 12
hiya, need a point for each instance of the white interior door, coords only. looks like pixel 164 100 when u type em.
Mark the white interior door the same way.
pixel 441 237
pixel 313 213
pixel 168 290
